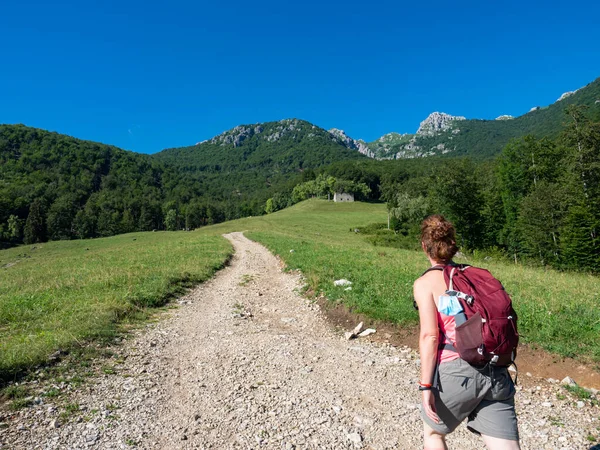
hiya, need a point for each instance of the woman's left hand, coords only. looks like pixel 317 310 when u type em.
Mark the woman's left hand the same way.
pixel 428 403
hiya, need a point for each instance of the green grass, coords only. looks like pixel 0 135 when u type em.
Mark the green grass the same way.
pixel 557 311
pixel 65 293
pixel 579 392
pixel 60 295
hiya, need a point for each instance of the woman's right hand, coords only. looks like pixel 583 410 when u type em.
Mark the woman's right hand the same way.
pixel 428 403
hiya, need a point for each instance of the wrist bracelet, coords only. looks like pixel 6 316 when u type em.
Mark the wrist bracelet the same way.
pixel 424 388
pixel 427 385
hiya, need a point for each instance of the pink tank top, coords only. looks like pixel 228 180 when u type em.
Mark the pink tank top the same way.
pixel 447 326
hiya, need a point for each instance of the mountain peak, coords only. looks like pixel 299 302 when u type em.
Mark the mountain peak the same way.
pixel 437 122
pixel 270 131
pixel 566 94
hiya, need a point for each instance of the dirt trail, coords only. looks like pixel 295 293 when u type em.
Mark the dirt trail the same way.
pixel 247 362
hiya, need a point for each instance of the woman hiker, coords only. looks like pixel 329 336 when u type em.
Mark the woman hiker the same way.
pixel 455 390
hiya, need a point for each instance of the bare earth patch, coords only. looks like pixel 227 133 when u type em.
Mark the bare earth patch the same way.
pixel 247 362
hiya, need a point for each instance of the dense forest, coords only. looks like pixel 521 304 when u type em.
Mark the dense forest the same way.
pixel 54 186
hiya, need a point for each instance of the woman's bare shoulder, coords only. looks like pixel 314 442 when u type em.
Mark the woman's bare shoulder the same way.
pixel 422 282
pixel 428 282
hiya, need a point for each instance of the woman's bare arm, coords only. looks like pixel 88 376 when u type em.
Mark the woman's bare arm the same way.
pixel 428 341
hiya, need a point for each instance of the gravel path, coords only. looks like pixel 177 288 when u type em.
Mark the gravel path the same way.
pixel 247 362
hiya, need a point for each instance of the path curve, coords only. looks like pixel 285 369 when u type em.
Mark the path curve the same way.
pixel 247 362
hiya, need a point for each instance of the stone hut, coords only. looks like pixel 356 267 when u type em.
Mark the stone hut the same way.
pixel 343 197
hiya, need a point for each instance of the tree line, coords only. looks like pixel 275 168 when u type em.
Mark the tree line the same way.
pixel 539 200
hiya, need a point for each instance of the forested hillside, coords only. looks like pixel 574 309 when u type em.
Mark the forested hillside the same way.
pixel 57 187
pixel 486 138
pixel 539 200
pixel 54 186
pixel 269 149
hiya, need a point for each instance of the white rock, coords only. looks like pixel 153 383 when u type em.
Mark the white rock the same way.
pixel 580 404
pixel 566 94
pixel 355 438
pixel 568 381
pixel 367 332
pixel 437 122
pixel 342 282
pixel 353 144
pixel 547 404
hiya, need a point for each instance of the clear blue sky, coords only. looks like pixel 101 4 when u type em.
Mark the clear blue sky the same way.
pixel 155 74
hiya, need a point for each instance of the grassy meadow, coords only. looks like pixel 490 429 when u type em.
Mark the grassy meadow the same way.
pixel 557 311
pixel 63 293
pixel 60 294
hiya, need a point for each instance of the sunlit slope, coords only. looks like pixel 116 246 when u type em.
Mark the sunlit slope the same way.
pixel 61 294
pixel 557 311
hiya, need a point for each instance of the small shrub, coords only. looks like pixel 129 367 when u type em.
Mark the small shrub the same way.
pixel 370 229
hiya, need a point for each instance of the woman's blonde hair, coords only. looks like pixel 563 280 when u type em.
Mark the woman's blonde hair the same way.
pixel 439 238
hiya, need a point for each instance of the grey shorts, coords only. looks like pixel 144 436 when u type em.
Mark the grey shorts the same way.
pixel 487 402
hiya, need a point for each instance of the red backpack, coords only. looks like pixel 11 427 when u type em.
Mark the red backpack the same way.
pixel 489 334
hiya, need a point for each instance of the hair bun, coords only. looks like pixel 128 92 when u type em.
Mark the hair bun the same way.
pixel 439 237
pixel 441 230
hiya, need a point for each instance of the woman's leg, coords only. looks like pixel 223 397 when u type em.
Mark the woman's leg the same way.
pixel 432 440
pixel 493 443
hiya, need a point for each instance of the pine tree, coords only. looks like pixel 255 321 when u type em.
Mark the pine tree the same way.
pixel 35 227
pixel 580 246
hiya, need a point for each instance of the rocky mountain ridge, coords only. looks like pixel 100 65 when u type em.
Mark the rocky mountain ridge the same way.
pixel 237 135
pixel 359 145
pixel 437 122
pixel 440 133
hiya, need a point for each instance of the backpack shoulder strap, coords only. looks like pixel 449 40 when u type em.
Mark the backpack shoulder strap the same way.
pixel 440 268
pixel 450 270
